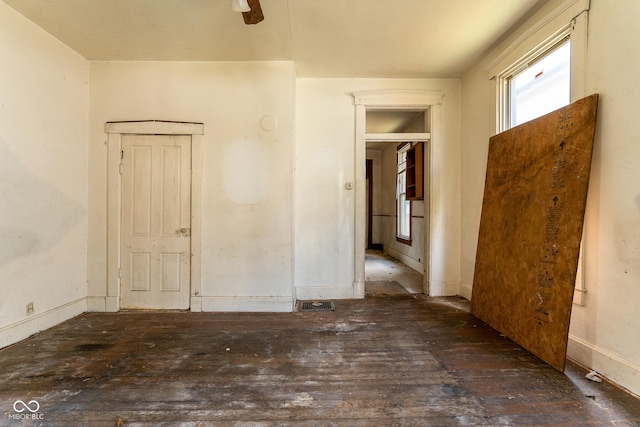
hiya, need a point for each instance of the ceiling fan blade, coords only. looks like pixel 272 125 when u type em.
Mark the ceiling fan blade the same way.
pixel 255 14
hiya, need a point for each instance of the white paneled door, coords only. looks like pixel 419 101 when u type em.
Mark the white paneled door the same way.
pixel 156 222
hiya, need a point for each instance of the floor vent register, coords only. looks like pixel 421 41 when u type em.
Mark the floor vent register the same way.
pixel 316 306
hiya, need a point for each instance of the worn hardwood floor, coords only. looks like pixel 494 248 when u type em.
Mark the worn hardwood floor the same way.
pixel 406 360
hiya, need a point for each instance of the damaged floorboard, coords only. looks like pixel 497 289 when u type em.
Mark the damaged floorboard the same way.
pixel 385 361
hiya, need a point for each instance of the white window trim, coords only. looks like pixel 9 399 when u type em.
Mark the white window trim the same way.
pixel 404 238
pixel 503 99
pixel 571 18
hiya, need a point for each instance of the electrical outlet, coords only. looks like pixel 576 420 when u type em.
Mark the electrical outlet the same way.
pixel 30 309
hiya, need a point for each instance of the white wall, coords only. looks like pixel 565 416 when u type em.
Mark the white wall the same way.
pixel 43 178
pixel 324 209
pixel 247 170
pixel 604 332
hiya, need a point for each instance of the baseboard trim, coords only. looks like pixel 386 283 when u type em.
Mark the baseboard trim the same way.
pixel 417 266
pixel 307 293
pixel 444 289
pixel 103 304
pixel 614 368
pixel 358 290
pixel 248 304
pixel 112 304
pixel 96 304
pixel 37 322
pixel 466 291
pixel 196 304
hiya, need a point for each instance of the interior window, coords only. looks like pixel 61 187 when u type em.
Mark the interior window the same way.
pixel 403 218
pixel 541 86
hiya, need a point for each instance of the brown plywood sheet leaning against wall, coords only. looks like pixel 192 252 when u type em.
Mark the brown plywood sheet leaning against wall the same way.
pixel 531 227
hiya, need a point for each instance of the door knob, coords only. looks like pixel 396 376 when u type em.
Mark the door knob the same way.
pixel 185 232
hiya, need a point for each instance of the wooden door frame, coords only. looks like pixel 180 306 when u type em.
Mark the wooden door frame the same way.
pixel 430 101
pixel 115 131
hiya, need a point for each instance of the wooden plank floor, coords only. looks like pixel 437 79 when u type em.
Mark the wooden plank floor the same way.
pixel 391 361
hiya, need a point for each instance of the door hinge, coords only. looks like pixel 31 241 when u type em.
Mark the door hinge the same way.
pixel 120 166
pixel 119 274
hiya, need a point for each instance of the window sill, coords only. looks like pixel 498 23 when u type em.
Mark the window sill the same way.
pixel 404 239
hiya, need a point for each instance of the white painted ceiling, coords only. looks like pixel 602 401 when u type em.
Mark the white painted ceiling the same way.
pixel 325 38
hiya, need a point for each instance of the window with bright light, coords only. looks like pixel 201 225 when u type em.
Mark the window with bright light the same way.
pixel 541 86
pixel 403 218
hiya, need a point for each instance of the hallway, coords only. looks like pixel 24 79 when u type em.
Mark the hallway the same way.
pixel 383 271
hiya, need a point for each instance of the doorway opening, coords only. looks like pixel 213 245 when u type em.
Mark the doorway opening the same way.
pixel 395 213
pixel 372 107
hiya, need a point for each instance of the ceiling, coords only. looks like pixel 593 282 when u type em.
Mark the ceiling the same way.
pixel 325 38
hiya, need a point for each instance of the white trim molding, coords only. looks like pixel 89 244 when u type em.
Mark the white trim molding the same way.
pixel 400 99
pixel 39 322
pixel 426 100
pixel 611 366
pixel 307 293
pixel 408 261
pixel 399 137
pixel 154 127
pixel 282 304
pixel 110 302
pixel 546 27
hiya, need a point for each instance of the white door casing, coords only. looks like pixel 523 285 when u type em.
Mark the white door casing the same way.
pixel 156 222
pixel 389 100
pixel 117 132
